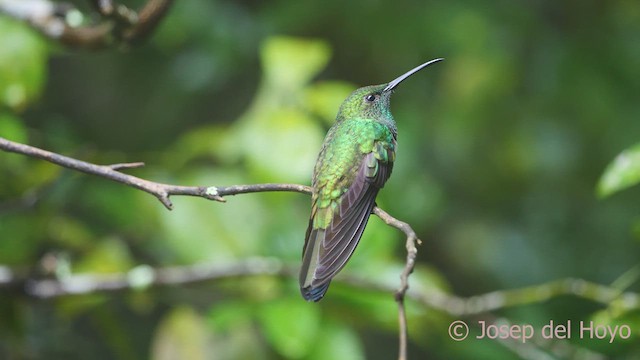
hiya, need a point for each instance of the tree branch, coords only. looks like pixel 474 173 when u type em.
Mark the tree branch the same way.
pixel 140 277
pixel 217 193
pixel 145 276
pixel 485 303
pixel 159 190
pixel 148 19
pixel 412 252
pixel 118 22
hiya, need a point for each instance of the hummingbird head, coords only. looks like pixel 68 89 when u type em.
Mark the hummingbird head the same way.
pixel 369 102
pixel 373 101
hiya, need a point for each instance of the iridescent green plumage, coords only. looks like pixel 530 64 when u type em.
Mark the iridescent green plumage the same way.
pixel 355 162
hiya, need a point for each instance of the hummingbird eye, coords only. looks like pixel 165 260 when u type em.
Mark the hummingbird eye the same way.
pixel 371 98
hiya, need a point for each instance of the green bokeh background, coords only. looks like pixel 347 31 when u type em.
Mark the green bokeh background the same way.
pixel 503 150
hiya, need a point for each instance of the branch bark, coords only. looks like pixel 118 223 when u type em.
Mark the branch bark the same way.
pixel 144 276
pixel 118 24
pixel 163 191
pixel 412 252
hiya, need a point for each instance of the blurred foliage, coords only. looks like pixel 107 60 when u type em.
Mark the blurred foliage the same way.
pixel 500 149
pixel 622 173
pixel 23 59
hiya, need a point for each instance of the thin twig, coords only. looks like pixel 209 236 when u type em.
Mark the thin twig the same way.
pixel 148 19
pixel 122 166
pixel 105 7
pixel 400 293
pixel 602 294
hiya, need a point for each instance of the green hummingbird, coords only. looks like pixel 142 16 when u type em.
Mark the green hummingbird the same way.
pixel 354 163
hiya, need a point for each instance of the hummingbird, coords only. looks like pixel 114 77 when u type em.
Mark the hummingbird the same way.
pixel 354 163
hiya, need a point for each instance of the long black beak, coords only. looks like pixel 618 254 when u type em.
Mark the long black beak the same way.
pixel 401 78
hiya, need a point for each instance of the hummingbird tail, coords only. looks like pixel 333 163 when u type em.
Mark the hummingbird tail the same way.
pixel 310 289
pixel 314 294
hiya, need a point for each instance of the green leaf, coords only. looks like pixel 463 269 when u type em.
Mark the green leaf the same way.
pixel 290 63
pixel 426 279
pixel 277 134
pixel 107 200
pixel 21 237
pixel 70 233
pixel 622 173
pixel 291 326
pixel 378 308
pixel 110 256
pixel 23 58
pixel 182 334
pixel 337 341
pixel 11 128
pixel 324 98
pixel 289 150
pixel 635 229
pixel 208 231
pixel 226 315
pixel 235 331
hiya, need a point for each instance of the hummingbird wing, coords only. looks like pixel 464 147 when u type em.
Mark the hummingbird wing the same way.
pixel 327 249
